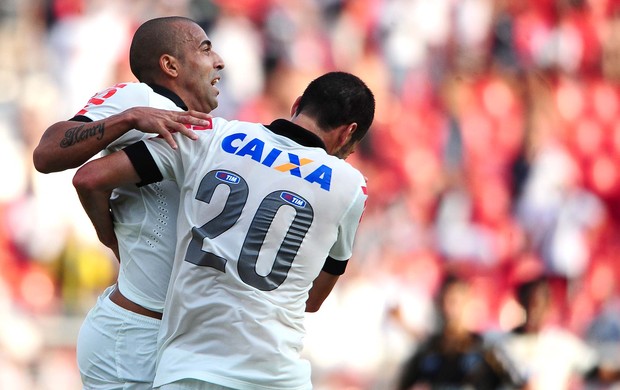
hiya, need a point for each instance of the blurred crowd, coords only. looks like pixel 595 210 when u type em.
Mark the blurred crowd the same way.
pixel 494 156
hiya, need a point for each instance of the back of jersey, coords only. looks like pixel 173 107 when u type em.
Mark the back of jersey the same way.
pixel 259 215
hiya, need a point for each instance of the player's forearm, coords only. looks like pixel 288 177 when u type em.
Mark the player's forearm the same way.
pixel 94 194
pixel 70 144
pixel 321 288
pixel 94 183
pixel 96 205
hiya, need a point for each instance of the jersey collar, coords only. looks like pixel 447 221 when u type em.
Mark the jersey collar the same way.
pixel 158 89
pixel 296 133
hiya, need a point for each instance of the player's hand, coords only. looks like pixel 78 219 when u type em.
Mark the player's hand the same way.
pixel 167 122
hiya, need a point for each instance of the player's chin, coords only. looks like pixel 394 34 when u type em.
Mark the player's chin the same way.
pixel 212 106
pixel 213 97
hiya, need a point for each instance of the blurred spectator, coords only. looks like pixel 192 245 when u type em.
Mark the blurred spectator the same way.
pixel 544 352
pixel 558 213
pixel 455 357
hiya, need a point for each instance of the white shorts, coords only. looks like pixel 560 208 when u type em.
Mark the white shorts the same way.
pixel 192 384
pixel 116 348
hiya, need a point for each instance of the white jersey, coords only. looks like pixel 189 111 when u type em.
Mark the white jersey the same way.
pixel 144 217
pixel 259 216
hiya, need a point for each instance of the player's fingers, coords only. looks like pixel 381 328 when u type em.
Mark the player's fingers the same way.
pixel 167 135
pixel 186 130
pixel 199 115
pixel 189 120
pixel 193 117
pixel 176 127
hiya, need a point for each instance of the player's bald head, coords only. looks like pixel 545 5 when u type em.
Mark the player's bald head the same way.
pixel 153 39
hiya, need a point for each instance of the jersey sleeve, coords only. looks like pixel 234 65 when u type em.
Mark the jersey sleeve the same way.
pixel 343 248
pixel 169 161
pixel 143 163
pixel 112 101
pixel 154 160
pixel 173 163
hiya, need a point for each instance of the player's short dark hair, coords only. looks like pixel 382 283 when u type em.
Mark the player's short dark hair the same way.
pixel 153 39
pixel 339 98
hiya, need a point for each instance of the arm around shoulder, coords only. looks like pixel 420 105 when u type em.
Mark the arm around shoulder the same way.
pixel 69 144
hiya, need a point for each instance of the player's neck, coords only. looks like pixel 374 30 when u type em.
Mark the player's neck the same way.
pixel 308 124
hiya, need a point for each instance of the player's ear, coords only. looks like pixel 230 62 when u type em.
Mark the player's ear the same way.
pixel 169 65
pixel 295 106
pixel 347 133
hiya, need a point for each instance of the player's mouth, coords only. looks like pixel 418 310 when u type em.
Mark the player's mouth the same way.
pixel 214 82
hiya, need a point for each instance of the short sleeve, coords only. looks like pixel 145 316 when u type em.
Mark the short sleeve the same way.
pixel 343 248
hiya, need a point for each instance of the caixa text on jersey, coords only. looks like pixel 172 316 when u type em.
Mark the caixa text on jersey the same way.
pixel 255 148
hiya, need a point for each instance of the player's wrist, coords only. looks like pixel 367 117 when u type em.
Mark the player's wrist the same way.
pixel 128 120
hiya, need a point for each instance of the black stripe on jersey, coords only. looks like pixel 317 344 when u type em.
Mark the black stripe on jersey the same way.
pixel 296 133
pixel 144 164
pixel 81 118
pixel 158 89
pixel 335 267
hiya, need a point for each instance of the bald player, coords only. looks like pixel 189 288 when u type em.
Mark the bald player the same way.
pixel 267 221
pixel 177 69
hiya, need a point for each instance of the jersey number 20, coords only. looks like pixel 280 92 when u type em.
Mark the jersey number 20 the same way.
pixel 263 218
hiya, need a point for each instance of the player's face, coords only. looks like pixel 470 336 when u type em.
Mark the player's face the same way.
pixel 200 70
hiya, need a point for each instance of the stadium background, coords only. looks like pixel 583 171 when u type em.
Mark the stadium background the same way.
pixel 494 154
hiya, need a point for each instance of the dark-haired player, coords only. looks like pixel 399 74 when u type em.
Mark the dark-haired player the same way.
pixel 267 221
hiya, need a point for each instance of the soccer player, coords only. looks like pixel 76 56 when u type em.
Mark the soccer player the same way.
pixel 174 61
pixel 267 221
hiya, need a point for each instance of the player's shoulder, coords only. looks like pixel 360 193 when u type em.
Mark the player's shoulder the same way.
pixel 136 94
pixel 217 121
pixel 335 175
pixel 234 125
pixel 132 86
pixel 215 129
pixel 344 166
pixel 349 171
pixel 125 88
pixel 114 99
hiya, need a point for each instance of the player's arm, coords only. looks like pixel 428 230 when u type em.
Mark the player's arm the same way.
pixel 95 180
pixel 342 249
pixel 94 183
pixel 324 284
pixel 69 144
